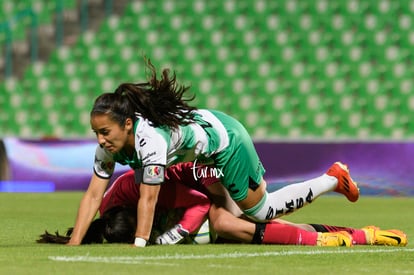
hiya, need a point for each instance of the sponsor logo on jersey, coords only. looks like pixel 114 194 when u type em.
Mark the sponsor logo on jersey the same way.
pixel 148 156
pixel 142 142
pixel 105 165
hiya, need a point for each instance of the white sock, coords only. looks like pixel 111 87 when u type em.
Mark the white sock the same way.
pixel 291 197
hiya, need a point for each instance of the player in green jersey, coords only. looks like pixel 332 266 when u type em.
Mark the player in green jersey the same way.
pixel 150 126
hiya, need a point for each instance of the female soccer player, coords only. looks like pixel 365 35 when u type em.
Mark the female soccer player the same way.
pixel 118 218
pixel 117 222
pixel 150 126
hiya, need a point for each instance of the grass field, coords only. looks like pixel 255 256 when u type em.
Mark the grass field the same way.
pixel 25 216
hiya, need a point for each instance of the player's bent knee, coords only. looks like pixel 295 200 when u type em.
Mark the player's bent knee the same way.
pixel 221 225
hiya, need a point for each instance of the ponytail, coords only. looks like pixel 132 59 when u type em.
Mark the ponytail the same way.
pixel 117 225
pixel 161 101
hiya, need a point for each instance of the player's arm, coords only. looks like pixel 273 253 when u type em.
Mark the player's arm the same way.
pixel 151 147
pixel 152 178
pixel 88 208
pixel 145 211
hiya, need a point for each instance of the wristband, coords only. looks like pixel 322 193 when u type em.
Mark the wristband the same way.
pixel 140 242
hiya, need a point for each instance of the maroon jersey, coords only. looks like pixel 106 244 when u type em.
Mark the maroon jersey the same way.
pixel 173 194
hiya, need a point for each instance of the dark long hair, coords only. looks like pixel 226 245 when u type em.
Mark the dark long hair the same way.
pixel 161 101
pixel 117 225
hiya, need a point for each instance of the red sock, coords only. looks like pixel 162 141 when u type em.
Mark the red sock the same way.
pixel 358 235
pixel 286 234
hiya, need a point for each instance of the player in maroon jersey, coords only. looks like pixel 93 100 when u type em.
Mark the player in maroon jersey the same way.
pixel 117 211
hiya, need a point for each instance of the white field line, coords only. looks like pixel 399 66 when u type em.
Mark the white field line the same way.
pixel 149 259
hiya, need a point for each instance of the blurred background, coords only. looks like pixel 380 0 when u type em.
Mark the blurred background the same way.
pixel 289 70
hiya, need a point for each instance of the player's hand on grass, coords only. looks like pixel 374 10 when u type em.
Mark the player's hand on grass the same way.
pixel 73 242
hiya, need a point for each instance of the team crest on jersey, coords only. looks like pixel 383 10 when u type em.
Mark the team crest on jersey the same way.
pixel 107 165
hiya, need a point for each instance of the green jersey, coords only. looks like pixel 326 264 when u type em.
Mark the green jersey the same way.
pixel 213 136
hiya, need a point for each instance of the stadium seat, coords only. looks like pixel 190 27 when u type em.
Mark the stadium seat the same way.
pixel 286 69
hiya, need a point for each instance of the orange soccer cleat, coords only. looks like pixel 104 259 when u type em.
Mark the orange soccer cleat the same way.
pixel 346 185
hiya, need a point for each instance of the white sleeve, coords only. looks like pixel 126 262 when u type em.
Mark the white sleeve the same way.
pixel 152 146
pixel 104 163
